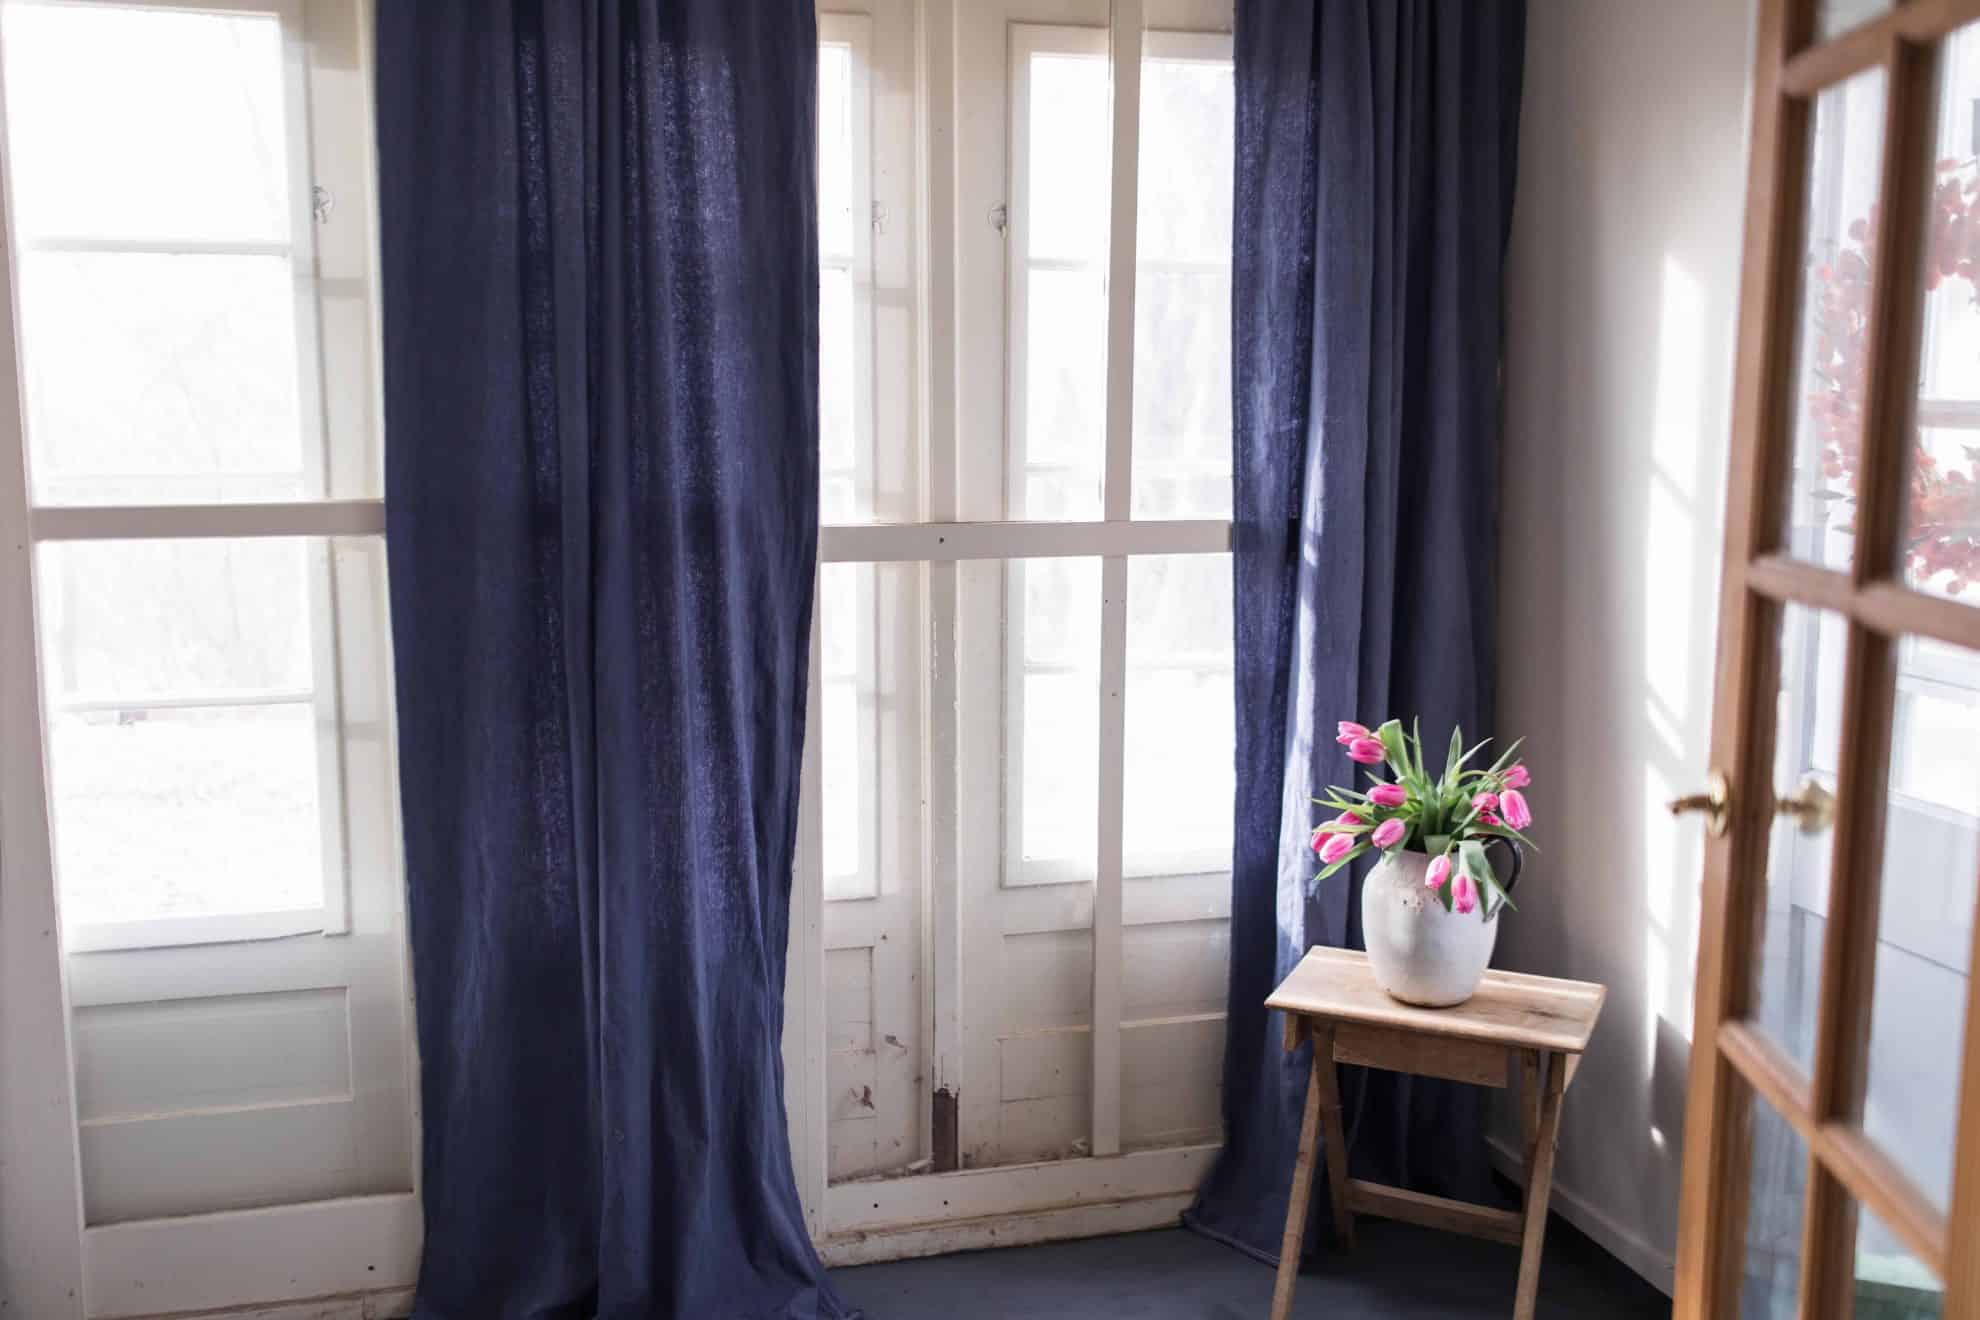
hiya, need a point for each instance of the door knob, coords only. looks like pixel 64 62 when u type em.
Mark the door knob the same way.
pixel 1812 806
pixel 1715 802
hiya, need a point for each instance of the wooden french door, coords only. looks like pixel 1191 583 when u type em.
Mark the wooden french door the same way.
pixel 1832 1135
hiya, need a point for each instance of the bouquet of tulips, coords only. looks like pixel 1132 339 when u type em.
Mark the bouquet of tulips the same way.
pixel 1452 818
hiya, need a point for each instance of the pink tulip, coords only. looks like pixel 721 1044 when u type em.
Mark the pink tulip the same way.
pixel 1388 795
pixel 1485 801
pixel 1319 837
pixel 1347 731
pixel 1389 833
pixel 1517 777
pixel 1440 868
pixel 1488 818
pixel 1365 751
pixel 1349 818
pixel 1464 894
pixel 1518 814
pixel 1336 847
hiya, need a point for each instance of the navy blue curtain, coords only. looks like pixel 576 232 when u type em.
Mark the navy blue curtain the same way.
pixel 1376 144
pixel 600 292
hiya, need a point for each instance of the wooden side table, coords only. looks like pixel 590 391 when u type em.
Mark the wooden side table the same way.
pixel 1536 1024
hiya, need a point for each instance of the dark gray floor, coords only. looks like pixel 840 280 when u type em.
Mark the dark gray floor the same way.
pixel 1396 1271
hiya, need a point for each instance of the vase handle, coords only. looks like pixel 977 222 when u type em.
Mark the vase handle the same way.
pixel 1518 860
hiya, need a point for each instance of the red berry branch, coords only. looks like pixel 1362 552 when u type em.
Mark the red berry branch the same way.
pixel 1941 532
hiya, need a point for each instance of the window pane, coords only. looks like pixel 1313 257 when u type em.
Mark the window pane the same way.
pixel 185 757
pixel 1772 1276
pixel 1939 522
pixel 1065 395
pixel 1807 737
pixel 1182 335
pixel 146 123
pixel 1925 926
pixel 1891 1283
pixel 156 378
pixel 1067 151
pixel 1180 728
pixel 1054 649
pixel 1833 17
pixel 1058 331
pixel 1832 334
pixel 835 151
pixel 840 448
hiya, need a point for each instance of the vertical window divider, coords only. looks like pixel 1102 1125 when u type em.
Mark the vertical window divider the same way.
pixel 1125 65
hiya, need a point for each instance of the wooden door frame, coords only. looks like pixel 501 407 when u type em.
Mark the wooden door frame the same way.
pixel 1732 1060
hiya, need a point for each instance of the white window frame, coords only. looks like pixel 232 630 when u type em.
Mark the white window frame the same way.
pixel 336 366
pixel 364 1246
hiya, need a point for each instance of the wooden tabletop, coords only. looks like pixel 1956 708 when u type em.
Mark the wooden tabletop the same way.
pixel 1510 1008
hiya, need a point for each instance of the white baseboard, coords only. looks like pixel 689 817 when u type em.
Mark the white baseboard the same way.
pixel 1005 1230
pixel 384 1304
pixel 1651 1263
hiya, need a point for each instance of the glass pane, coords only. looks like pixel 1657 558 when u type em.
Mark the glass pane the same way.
pixel 839 442
pixel 1772 1274
pixel 1832 334
pixel 835 151
pixel 1053 694
pixel 1067 150
pixel 1925 926
pixel 870 724
pixel 1182 313
pixel 185 757
pixel 1939 522
pixel 1833 17
pixel 1180 724
pixel 1065 395
pixel 147 123
pixel 1058 334
pixel 1891 1283
pixel 161 378
pixel 1807 736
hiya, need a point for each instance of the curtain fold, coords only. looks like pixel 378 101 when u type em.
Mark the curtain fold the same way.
pixel 1376 146
pixel 600 289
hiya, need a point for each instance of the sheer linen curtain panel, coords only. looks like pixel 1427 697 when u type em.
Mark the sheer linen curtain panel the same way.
pixel 600 310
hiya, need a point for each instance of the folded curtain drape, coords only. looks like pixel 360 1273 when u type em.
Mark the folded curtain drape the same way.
pixel 600 292
pixel 1376 145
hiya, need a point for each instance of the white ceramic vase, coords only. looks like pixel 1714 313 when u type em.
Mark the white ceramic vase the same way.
pixel 1421 953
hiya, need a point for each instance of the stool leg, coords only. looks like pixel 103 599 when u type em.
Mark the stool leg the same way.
pixel 1326 1079
pixel 1539 1184
pixel 1302 1189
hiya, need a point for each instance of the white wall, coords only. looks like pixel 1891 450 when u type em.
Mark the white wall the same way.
pixel 1623 290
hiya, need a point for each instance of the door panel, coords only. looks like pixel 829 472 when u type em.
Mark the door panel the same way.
pixel 1833 1124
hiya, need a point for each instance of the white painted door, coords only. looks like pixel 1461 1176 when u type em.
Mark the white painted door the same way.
pixel 191 244
pixel 1010 947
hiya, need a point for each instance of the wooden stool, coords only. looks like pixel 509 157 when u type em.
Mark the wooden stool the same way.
pixel 1535 1023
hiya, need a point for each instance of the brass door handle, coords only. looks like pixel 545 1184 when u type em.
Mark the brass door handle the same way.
pixel 1812 806
pixel 1715 802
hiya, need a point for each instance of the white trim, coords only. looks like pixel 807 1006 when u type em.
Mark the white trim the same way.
pixel 806 1105
pixel 272 1254
pixel 145 522
pixel 378 1304
pixel 161 246
pixel 939 1238
pixel 177 932
pixel 1012 1189
pixel 41 1258
pixel 947 542
pixel 1124 63
pixel 1176 44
